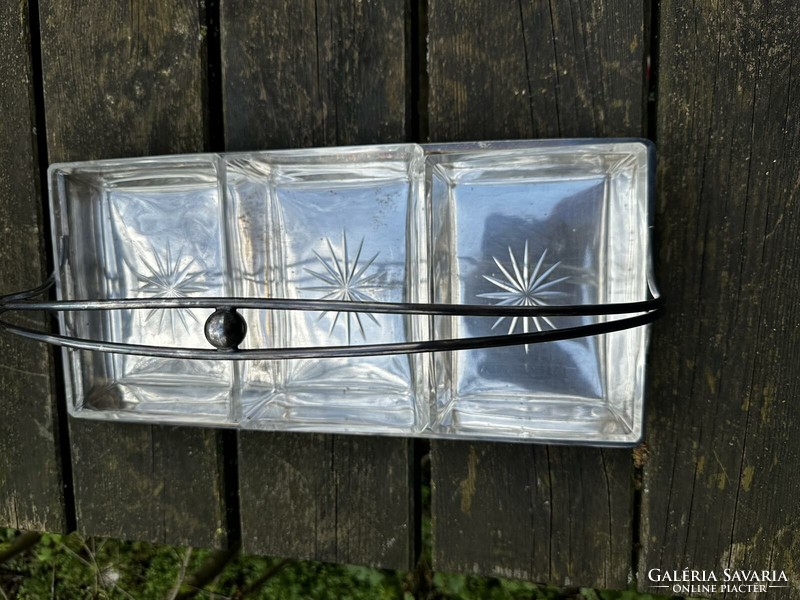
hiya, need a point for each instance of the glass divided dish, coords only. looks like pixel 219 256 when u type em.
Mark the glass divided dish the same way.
pixel 500 223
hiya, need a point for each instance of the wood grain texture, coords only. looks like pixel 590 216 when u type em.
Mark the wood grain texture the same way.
pixel 345 499
pixel 521 70
pixel 122 78
pixel 309 74
pixel 314 73
pixel 535 69
pixel 722 486
pixel 31 487
pixel 552 514
pixel 151 483
pixel 125 79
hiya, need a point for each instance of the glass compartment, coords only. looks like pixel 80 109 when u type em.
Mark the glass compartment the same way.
pixel 340 224
pixel 146 228
pixel 499 223
pixel 539 226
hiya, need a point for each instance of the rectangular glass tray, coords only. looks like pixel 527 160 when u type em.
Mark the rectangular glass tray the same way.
pixel 506 223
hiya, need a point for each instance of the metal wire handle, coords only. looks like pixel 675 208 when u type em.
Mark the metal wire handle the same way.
pixel 225 329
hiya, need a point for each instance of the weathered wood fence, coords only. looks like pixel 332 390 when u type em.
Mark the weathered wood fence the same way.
pixel 715 82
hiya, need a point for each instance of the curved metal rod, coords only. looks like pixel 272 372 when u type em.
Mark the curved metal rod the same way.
pixel 302 304
pixel 31 293
pixel 493 341
pixel 21 301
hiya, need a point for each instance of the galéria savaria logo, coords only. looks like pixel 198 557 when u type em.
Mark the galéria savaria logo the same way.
pixel 693 582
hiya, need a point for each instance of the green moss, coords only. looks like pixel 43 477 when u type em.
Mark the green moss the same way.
pixel 73 567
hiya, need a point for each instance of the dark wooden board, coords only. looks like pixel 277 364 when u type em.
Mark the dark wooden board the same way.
pixel 305 73
pixel 31 486
pixel 126 79
pixel 535 69
pixel 322 497
pixel 525 70
pixel 299 74
pixel 558 515
pixel 721 485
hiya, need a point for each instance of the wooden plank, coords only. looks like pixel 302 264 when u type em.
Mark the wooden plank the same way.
pixel 536 70
pixel 303 74
pixel 345 499
pixel 309 74
pixel 722 484
pixel 520 70
pixel 31 487
pixel 124 79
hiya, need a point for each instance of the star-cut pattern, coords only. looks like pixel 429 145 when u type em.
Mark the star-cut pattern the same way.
pixel 168 278
pixel 343 278
pixel 524 284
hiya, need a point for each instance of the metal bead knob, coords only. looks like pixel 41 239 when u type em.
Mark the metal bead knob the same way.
pixel 225 329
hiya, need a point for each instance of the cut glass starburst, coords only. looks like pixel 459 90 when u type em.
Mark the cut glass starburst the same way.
pixel 345 279
pixel 169 279
pixel 522 285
